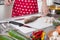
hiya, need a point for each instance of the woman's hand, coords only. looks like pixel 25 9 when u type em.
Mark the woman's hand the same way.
pixel 45 9
pixel 43 0
pixel 7 2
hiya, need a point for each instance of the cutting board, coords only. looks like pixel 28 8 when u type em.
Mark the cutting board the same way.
pixel 40 23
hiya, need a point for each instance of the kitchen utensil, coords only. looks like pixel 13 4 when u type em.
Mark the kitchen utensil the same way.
pixel 20 24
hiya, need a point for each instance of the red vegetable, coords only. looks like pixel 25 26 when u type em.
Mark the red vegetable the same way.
pixel 37 35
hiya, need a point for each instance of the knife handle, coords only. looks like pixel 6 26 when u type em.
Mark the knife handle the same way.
pixel 56 3
pixel 16 23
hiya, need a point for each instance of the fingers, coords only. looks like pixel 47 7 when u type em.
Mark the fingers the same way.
pixel 7 2
pixel 43 0
pixel 45 11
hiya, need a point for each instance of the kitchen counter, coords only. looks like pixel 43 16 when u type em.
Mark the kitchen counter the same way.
pixel 47 29
pixel 15 19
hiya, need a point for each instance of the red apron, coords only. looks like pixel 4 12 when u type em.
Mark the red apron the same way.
pixel 24 7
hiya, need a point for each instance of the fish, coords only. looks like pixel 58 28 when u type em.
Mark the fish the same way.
pixel 31 19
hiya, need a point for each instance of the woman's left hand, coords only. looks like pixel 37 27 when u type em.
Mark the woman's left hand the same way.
pixel 45 9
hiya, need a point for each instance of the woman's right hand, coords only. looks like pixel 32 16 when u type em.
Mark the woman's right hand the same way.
pixel 7 2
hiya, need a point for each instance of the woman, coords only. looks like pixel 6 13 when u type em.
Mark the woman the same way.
pixel 26 7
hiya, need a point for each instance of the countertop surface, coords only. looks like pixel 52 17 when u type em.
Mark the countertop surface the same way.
pixel 47 29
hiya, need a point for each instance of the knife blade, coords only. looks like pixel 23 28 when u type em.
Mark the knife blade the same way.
pixel 19 24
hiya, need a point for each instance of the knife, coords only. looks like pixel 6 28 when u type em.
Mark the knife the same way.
pixel 56 3
pixel 20 24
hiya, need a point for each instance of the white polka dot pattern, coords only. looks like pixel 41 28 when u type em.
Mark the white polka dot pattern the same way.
pixel 24 7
